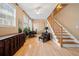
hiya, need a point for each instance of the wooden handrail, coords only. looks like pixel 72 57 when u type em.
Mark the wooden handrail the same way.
pixel 57 22
pixel 61 40
pixel 61 30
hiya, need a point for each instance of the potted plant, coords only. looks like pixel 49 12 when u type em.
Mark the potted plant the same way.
pixel 25 30
pixel 19 30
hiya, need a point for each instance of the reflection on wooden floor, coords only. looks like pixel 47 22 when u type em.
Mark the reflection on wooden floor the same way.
pixel 34 47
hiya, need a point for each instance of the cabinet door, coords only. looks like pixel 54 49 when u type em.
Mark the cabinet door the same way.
pixel 16 43
pixel 7 47
pixel 12 45
pixel 1 47
pixel 21 40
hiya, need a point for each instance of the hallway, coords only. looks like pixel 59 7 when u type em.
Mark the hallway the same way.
pixel 33 47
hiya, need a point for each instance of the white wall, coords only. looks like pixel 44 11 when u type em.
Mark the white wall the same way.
pixel 69 17
pixel 39 25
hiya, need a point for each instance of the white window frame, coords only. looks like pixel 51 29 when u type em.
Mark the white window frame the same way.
pixel 6 13
pixel 25 21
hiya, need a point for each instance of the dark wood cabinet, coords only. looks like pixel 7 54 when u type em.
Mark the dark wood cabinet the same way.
pixel 1 48
pixel 17 42
pixel 7 47
pixel 10 45
pixel 21 40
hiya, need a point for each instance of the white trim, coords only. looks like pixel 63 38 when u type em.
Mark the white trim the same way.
pixel 54 36
pixel 71 45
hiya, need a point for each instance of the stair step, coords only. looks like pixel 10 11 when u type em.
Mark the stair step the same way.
pixel 64 37
pixel 68 39
pixel 60 32
pixel 64 34
pixel 70 43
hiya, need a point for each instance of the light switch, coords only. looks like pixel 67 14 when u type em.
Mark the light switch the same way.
pixel 77 26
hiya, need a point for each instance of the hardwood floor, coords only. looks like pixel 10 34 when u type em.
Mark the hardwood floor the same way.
pixel 34 47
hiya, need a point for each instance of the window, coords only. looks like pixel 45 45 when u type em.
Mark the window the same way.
pixel 25 24
pixel 30 24
pixel 7 15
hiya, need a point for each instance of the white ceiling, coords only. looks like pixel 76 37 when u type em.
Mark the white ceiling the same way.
pixel 38 10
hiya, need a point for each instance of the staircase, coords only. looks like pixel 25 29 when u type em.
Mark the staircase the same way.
pixel 67 40
pixel 64 39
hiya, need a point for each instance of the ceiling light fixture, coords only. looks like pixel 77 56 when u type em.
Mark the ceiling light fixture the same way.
pixel 37 10
pixel 59 6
